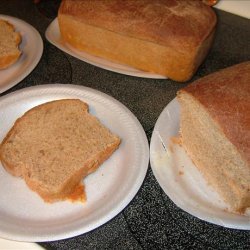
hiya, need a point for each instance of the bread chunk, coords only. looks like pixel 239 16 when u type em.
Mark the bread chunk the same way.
pixel 167 37
pixel 215 131
pixel 55 145
pixel 9 41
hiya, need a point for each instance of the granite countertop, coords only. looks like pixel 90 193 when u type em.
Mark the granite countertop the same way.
pixel 151 220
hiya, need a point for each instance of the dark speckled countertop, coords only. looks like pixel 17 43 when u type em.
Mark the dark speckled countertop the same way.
pixel 151 220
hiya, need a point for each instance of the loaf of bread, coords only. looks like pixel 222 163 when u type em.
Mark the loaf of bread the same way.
pixel 55 145
pixel 167 37
pixel 215 131
pixel 9 41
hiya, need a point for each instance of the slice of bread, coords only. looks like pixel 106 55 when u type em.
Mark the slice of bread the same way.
pixel 55 145
pixel 215 131
pixel 9 41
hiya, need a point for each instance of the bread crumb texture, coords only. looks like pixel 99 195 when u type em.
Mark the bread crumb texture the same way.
pixel 215 131
pixel 55 145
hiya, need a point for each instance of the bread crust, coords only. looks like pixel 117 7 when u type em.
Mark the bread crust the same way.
pixel 70 184
pixel 155 21
pixel 6 61
pixel 214 129
pixel 169 37
pixel 226 88
pixel 9 59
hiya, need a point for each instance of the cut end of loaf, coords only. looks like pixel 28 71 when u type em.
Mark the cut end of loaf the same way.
pixel 9 42
pixel 209 137
pixel 55 145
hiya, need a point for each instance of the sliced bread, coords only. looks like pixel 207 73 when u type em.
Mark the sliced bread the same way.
pixel 215 131
pixel 9 41
pixel 55 145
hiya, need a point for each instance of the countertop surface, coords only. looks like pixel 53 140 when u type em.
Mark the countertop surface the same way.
pixel 151 220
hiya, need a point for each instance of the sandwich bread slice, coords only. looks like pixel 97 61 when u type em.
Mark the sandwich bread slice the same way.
pixel 55 145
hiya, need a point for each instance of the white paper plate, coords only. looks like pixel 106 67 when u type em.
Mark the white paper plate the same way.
pixel 23 214
pixel 53 35
pixel 180 179
pixel 11 245
pixel 239 7
pixel 32 49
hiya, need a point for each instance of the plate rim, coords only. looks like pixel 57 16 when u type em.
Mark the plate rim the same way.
pixel 38 53
pixel 200 214
pixel 136 73
pixel 143 163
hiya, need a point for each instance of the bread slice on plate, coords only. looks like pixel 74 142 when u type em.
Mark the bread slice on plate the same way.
pixel 9 41
pixel 55 145
pixel 215 131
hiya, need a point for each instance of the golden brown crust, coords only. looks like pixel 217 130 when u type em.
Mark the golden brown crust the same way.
pixel 166 37
pixel 228 89
pixel 9 59
pixel 6 61
pixel 177 24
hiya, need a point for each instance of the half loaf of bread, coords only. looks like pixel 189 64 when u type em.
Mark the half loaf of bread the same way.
pixel 9 41
pixel 215 131
pixel 167 37
pixel 55 145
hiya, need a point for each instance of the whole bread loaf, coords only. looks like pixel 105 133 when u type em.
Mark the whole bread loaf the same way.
pixel 167 37
pixel 9 41
pixel 55 145
pixel 215 131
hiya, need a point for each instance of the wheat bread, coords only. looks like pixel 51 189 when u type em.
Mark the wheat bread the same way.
pixel 167 37
pixel 9 41
pixel 215 131
pixel 55 145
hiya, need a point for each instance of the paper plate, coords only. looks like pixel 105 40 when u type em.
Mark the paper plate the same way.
pixel 25 216
pixel 181 180
pixel 32 49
